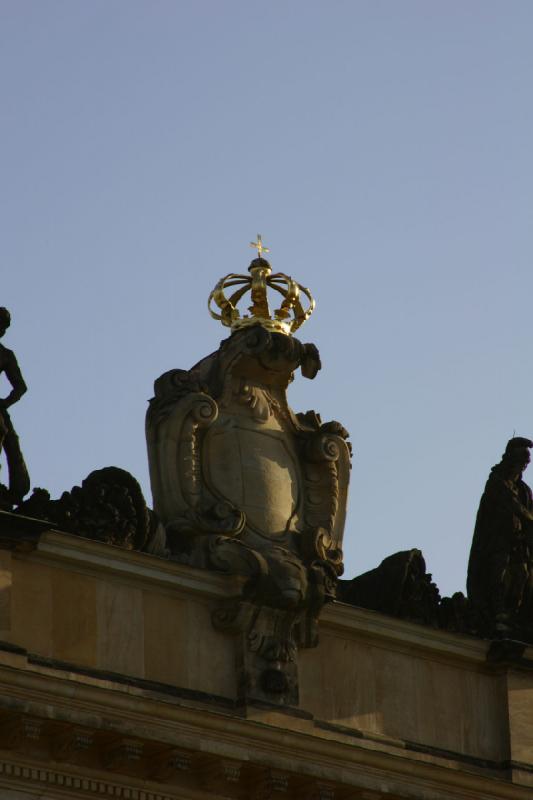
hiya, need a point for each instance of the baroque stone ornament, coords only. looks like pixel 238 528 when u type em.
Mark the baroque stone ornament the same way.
pixel 19 480
pixel 244 485
pixel 500 569
pixel 108 507
pixel 401 587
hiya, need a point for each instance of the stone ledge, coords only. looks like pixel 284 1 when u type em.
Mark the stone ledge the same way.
pixel 88 556
pixel 20 533
pixel 85 555
pixel 355 621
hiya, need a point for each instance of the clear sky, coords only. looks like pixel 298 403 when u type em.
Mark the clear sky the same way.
pixel 383 148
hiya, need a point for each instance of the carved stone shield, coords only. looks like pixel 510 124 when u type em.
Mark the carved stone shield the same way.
pixel 254 467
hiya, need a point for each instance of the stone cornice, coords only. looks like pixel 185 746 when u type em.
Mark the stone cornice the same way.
pixel 353 621
pixel 138 720
pixel 19 533
pixel 88 556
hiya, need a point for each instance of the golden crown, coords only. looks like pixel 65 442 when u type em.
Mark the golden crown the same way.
pixel 286 319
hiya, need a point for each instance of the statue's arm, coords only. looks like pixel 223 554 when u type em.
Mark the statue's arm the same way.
pixel 14 376
pixel 502 498
pixel 522 511
pixel 519 509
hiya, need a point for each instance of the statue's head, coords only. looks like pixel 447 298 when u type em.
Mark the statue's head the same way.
pixel 5 320
pixel 517 455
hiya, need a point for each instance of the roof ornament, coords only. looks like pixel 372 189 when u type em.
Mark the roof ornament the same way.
pixel 259 246
pixel 286 319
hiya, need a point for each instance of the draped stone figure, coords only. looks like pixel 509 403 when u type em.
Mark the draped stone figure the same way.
pixel 500 574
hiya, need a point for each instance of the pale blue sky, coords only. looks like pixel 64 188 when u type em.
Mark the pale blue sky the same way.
pixel 384 151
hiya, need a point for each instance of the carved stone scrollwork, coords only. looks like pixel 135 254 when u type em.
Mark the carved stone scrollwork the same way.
pixel 108 506
pixel 245 486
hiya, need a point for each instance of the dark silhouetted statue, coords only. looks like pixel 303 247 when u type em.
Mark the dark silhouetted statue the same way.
pixel 19 481
pixel 500 570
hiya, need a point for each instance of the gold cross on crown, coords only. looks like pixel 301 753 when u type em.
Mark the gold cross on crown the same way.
pixel 260 246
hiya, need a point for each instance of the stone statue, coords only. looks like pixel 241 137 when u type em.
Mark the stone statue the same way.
pixel 500 569
pixel 19 481
pixel 108 506
pixel 243 484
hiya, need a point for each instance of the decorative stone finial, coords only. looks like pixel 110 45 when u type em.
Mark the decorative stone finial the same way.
pixel 286 319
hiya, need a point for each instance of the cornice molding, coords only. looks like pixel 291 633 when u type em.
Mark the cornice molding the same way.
pixel 85 555
pixel 143 721
pixel 361 622
pixel 24 776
